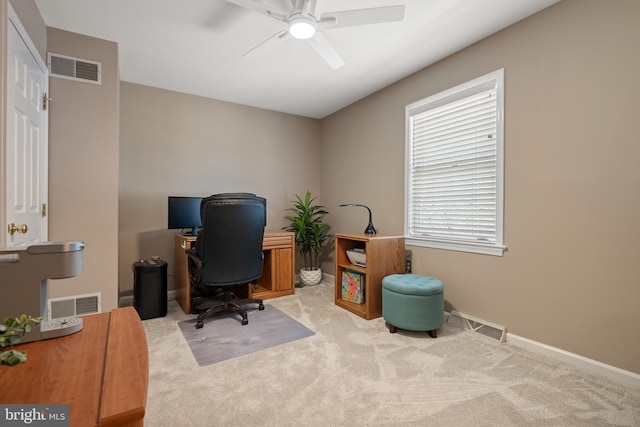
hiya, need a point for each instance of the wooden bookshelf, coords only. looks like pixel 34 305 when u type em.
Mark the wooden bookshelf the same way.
pixel 385 256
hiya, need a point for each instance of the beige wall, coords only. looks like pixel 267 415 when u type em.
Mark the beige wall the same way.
pixel 177 144
pixel 571 276
pixel 83 166
pixel 30 17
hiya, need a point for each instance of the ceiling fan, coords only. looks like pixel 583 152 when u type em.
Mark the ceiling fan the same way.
pixel 301 22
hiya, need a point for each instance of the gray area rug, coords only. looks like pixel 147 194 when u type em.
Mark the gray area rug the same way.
pixel 223 337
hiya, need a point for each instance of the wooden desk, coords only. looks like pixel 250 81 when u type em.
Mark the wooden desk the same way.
pixel 278 271
pixel 102 372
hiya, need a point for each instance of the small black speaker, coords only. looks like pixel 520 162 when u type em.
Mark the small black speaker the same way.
pixel 150 288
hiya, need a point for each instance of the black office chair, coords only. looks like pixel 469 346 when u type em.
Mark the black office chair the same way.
pixel 228 251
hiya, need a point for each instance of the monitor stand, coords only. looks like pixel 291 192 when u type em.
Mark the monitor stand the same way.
pixel 192 232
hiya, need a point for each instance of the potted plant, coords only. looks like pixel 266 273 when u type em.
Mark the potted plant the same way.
pixel 11 332
pixel 311 232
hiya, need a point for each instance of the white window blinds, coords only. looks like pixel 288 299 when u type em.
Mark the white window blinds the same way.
pixel 454 159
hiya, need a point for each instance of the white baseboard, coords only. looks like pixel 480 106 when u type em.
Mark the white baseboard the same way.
pixel 127 300
pixel 584 363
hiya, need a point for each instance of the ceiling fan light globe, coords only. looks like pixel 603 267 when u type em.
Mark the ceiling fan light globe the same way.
pixel 302 28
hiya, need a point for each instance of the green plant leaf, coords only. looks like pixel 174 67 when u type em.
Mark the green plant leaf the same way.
pixel 308 225
pixel 15 328
pixel 12 357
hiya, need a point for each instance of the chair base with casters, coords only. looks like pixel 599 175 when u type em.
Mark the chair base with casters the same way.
pixel 413 302
pixel 230 303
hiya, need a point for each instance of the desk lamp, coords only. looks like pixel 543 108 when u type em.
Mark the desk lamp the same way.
pixel 369 229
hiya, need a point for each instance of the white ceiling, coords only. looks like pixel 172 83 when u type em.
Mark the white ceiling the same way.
pixel 196 46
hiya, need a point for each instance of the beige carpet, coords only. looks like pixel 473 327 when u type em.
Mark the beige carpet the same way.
pixel 353 372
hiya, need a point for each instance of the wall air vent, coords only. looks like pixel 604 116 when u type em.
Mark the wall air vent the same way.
pixel 82 70
pixel 479 326
pixel 74 306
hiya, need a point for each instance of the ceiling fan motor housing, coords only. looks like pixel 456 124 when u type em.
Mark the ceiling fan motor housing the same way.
pixel 301 26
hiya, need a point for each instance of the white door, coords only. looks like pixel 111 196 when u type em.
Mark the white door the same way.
pixel 26 159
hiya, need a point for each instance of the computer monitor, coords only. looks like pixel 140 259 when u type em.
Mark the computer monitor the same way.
pixel 184 213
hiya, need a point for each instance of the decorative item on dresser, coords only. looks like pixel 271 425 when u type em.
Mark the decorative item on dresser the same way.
pixel 11 333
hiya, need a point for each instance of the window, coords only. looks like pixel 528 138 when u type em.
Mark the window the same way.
pixel 454 168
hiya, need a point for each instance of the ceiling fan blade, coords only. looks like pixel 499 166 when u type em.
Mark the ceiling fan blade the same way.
pixel 274 39
pixel 260 8
pixel 350 18
pixel 322 46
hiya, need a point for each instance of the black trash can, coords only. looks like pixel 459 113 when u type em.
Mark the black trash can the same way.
pixel 150 288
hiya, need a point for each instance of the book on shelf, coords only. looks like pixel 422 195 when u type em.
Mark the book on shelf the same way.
pixel 353 286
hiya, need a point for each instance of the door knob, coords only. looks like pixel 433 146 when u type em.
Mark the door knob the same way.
pixel 22 228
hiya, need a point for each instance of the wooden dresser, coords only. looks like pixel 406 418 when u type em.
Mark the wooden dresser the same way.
pixel 101 372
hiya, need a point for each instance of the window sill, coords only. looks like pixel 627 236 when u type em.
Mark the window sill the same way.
pixel 478 248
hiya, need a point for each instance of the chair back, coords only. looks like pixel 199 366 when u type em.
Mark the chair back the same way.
pixel 230 243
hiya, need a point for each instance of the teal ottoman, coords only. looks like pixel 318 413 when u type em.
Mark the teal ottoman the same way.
pixel 413 302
